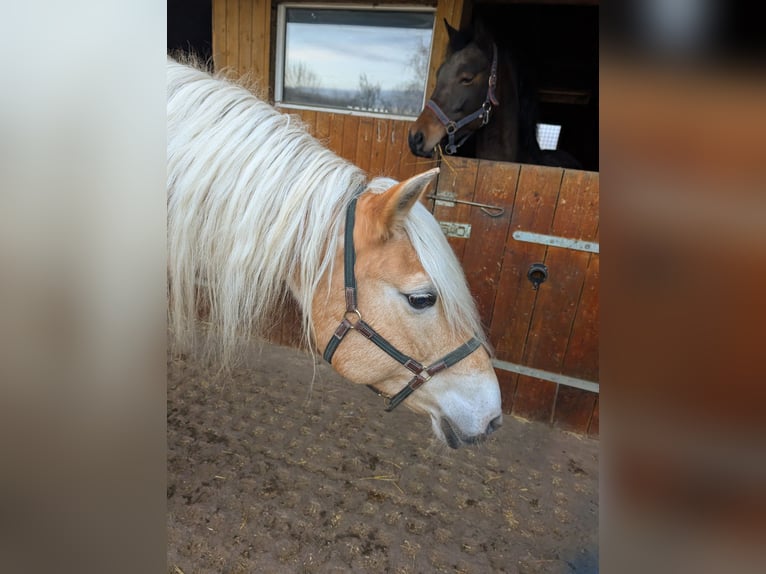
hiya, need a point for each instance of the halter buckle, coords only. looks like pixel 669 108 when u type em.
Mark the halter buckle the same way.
pixel 451 128
pixel 487 106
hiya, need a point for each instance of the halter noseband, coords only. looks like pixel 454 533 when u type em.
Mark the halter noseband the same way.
pixel 482 113
pixel 352 320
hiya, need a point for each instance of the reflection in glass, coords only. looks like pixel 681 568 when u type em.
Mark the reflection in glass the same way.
pixel 365 60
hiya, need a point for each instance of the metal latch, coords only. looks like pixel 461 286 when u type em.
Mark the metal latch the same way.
pixel 450 200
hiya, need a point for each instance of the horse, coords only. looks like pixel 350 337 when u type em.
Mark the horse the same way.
pixel 258 208
pixel 482 99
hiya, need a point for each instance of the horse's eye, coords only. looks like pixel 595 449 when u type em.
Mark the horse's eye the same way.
pixel 466 80
pixel 421 300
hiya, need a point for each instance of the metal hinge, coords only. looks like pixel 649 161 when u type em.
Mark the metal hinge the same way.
pixel 459 230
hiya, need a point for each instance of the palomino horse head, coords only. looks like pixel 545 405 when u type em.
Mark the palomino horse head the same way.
pixel 257 205
pixel 464 95
pixel 412 293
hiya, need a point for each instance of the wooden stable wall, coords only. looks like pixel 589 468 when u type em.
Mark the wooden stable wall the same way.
pixel 377 145
pixel 554 328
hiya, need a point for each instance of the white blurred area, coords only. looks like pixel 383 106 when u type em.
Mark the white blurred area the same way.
pixel 82 284
pixel 677 27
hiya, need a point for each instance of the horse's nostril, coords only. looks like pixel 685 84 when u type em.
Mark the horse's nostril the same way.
pixel 494 424
pixel 416 140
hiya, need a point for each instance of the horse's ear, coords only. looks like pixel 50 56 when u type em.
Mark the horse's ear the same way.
pixel 457 39
pixel 451 32
pixel 388 210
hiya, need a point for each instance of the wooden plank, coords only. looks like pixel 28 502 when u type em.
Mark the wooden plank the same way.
pixel 581 359
pixel 220 52
pixel 364 143
pixel 394 149
pixel 458 179
pixel 232 35
pixel 507 382
pixel 245 41
pixel 593 427
pixel 309 117
pixel 555 308
pixel 534 398
pixel 322 129
pixel 378 151
pixel 573 409
pixel 349 144
pixel 261 44
pixel 533 209
pixel 335 142
pixel 483 253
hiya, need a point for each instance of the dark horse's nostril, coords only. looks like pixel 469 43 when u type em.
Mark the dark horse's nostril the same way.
pixel 416 141
pixel 494 424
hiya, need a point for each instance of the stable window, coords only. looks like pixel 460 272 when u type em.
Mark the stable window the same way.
pixel 366 60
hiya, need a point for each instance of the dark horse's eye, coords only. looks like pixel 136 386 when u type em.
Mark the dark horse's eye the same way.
pixel 421 300
pixel 466 80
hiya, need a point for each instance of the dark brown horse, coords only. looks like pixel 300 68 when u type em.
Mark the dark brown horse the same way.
pixel 481 100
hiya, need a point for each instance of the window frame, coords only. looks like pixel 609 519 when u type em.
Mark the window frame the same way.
pixel 279 53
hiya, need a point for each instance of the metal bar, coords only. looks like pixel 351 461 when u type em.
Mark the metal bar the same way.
pixel 546 376
pixel 579 245
pixel 491 210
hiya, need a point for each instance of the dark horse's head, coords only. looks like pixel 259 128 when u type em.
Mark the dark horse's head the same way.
pixel 464 95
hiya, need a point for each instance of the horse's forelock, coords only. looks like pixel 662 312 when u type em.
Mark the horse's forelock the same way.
pixel 445 271
pixel 441 265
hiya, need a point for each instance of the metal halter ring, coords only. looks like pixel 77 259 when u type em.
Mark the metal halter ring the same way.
pixel 351 314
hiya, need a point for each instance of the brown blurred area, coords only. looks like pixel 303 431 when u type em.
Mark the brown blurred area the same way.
pixel 683 140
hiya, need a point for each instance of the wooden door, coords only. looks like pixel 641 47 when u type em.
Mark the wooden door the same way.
pixel 545 339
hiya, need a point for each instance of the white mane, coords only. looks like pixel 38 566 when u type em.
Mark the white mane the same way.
pixel 255 201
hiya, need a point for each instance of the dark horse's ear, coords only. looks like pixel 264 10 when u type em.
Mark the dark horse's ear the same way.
pixel 458 39
pixel 451 32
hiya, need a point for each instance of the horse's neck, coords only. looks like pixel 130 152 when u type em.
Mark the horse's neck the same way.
pixel 499 139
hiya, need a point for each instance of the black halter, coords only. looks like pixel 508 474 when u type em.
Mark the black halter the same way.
pixel 422 374
pixel 482 113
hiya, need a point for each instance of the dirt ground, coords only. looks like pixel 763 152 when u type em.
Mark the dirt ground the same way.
pixel 267 474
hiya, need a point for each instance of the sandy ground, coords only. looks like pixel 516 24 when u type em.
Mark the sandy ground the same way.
pixel 267 474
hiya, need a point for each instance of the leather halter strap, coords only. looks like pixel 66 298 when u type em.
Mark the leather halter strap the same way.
pixel 482 113
pixel 352 320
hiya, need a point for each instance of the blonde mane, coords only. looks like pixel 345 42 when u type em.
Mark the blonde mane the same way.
pixel 256 206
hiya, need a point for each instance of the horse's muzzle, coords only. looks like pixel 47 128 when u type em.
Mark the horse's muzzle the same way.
pixel 417 144
pixel 455 439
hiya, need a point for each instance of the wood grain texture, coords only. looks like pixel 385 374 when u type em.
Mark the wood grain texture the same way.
pixel 245 39
pixel 232 36
pixel 593 427
pixel 533 210
pixel 483 253
pixel 220 52
pixel 349 138
pixel 457 178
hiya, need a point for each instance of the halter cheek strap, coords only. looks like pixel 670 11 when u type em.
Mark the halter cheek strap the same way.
pixel 482 113
pixel 352 320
